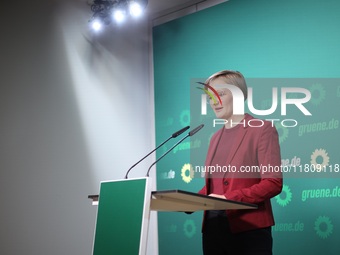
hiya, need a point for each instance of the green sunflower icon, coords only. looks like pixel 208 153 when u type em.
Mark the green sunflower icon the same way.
pixel 185 118
pixel 189 228
pixel 323 227
pixel 285 197
pixel 283 132
pixel 318 94
pixel 187 173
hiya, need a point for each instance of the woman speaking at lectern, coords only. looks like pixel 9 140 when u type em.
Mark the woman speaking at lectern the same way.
pixel 240 145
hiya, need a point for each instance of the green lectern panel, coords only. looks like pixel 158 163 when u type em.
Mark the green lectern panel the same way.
pixel 121 210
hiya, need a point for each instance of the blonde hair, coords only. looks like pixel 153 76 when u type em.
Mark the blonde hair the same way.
pixel 233 78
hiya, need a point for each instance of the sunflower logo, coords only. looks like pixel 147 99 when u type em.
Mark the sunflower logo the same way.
pixel 283 132
pixel 189 228
pixel 285 197
pixel 323 227
pixel 184 119
pixel 318 94
pixel 187 173
pixel 319 153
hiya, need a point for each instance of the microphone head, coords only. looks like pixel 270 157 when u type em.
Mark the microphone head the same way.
pixel 195 130
pixel 180 132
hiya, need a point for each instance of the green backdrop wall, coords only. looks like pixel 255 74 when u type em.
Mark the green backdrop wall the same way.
pixel 289 43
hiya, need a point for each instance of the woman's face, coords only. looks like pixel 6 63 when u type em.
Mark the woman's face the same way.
pixel 224 111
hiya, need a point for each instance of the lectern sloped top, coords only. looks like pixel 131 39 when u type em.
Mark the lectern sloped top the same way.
pixel 179 200
pixel 184 201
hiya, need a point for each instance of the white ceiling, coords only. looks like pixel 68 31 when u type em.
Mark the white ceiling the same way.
pixel 159 7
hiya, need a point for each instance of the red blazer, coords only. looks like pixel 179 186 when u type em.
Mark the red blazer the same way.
pixel 253 146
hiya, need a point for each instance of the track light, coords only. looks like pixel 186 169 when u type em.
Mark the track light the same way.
pixel 108 11
pixel 135 9
pixel 119 15
pixel 96 25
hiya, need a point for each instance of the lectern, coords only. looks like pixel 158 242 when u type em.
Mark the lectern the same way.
pixel 124 211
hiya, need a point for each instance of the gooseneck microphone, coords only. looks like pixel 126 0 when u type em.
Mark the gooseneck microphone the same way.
pixel 191 133
pixel 174 135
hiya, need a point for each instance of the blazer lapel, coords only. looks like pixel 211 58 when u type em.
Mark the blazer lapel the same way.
pixel 238 140
pixel 211 153
pixel 237 143
pixel 213 147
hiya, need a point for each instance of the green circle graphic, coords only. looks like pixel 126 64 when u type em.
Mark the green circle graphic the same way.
pixel 323 227
pixel 185 118
pixel 284 135
pixel 317 88
pixel 288 196
pixel 189 228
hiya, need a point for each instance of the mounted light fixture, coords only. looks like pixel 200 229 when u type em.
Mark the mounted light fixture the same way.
pixel 107 11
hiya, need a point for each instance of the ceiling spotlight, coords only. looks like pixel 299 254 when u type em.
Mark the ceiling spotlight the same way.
pixel 96 25
pixel 135 9
pixel 119 16
pixel 105 11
